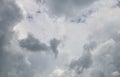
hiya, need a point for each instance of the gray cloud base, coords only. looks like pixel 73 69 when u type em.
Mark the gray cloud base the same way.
pixel 10 15
pixel 85 60
pixel 33 44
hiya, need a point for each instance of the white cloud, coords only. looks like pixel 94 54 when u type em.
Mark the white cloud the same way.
pixel 57 73
pixel 115 74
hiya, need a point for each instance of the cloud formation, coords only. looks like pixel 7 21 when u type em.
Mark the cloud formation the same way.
pixel 33 44
pixel 10 15
pixel 99 57
pixel 85 60
pixel 54 43
pixel 104 50
pixel 66 8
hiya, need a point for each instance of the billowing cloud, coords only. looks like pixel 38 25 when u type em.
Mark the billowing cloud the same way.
pixel 10 15
pixel 85 60
pixel 88 49
pixel 106 58
pixel 104 49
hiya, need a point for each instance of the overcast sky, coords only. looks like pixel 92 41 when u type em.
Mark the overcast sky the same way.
pixel 59 38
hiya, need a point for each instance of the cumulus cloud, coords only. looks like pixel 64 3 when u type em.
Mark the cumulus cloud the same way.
pixel 98 58
pixel 106 57
pixel 104 50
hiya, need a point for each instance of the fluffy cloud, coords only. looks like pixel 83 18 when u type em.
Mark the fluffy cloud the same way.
pixel 85 60
pixel 103 61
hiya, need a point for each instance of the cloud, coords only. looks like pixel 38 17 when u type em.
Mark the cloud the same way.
pixel 98 73
pixel 82 63
pixel 98 58
pixel 66 7
pixel 118 3
pixel 33 44
pixel 91 46
pixel 116 74
pixel 10 15
pixel 106 57
pixel 54 43
pixel 85 61
pixel 103 47
pixel 14 65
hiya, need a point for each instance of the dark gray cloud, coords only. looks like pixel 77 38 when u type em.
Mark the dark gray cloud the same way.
pixel 85 60
pixel 90 46
pixel 54 43
pixel 10 15
pixel 82 63
pixel 12 64
pixel 118 3
pixel 33 44
pixel 98 73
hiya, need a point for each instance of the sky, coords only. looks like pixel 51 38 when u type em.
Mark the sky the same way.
pixel 59 38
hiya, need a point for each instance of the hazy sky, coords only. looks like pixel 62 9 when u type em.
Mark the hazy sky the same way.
pixel 59 38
